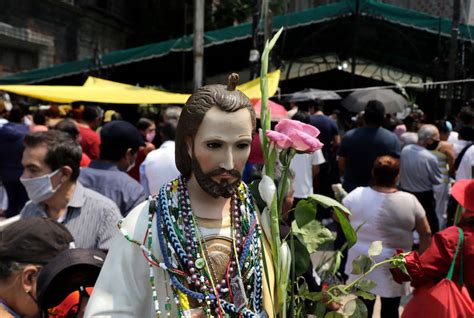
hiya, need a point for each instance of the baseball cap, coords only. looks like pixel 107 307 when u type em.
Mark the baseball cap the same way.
pixel 34 240
pixel 121 133
pixel 463 192
pixel 66 273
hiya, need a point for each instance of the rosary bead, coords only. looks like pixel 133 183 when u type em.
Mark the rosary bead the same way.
pixel 223 282
pixel 192 270
pixel 238 241
pixel 190 263
pixel 218 287
pixel 203 288
pixel 194 277
pixel 197 283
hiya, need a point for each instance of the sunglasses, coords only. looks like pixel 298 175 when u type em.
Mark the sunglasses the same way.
pixel 71 305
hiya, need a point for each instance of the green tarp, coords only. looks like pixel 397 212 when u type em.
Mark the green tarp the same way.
pixel 315 15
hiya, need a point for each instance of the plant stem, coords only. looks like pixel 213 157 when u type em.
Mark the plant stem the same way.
pixel 348 287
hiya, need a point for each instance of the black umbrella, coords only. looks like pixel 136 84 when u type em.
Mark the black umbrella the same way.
pixel 392 101
pixel 309 94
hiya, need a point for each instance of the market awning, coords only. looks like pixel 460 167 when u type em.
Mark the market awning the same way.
pixel 103 91
pixel 319 14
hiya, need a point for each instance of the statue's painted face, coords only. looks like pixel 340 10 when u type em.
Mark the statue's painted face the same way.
pixel 221 149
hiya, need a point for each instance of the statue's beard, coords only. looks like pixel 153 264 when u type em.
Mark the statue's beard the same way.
pixel 216 189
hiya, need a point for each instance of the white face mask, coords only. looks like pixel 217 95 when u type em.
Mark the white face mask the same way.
pixel 40 189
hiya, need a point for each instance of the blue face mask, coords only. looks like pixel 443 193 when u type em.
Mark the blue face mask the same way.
pixel 40 189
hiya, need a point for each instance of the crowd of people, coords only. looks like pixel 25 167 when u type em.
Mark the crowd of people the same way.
pixel 69 179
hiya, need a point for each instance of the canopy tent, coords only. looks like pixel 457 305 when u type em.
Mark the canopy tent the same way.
pixel 316 15
pixel 103 91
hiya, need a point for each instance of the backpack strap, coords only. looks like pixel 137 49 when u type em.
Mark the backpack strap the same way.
pixel 457 162
pixel 453 263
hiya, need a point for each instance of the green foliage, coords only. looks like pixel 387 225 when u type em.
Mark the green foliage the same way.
pixel 375 248
pixel 333 314
pixel 360 311
pixel 365 295
pixel 305 212
pixel 341 213
pixel 361 264
pixel 367 285
pixel 328 202
pixel 301 257
pixel 312 234
pixel 350 307
pixel 253 188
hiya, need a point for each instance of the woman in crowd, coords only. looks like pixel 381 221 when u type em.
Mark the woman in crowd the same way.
pixel 147 129
pixel 385 214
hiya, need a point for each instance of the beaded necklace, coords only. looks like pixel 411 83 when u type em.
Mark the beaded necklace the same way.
pixel 186 260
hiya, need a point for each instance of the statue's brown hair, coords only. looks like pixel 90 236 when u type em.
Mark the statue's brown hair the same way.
pixel 226 98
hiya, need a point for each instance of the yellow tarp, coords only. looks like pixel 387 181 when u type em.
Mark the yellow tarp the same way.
pixel 103 91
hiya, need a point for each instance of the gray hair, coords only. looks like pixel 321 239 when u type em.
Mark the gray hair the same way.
pixel 426 132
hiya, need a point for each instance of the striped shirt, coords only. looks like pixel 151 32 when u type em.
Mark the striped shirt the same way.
pixel 90 217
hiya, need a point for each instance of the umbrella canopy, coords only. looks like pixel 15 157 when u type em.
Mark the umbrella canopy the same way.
pixel 277 111
pixel 392 101
pixel 309 94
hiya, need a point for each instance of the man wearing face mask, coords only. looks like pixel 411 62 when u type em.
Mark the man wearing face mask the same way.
pixel 419 171
pixel 51 168
pixel 120 141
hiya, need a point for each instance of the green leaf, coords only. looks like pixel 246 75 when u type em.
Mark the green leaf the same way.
pixel 313 296
pixel 361 264
pixel 274 39
pixel 312 235
pixel 361 310
pixel 304 213
pixel 328 202
pixel 320 309
pixel 350 307
pixel 337 261
pixel 301 257
pixel 375 248
pixel 253 188
pixel 347 229
pixel 367 285
pixel 365 295
pixel 334 314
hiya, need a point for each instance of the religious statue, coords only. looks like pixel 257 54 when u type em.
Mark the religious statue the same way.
pixel 197 249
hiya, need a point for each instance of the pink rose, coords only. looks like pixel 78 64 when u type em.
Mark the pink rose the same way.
pixel 295 134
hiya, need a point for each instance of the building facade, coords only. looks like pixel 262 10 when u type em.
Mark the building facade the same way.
pixel 36 34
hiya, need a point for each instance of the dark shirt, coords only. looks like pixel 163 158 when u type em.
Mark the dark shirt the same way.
pixel 328 129
pixel 107 179
pixel 11 148
pixel 90 217
pixel 360 147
